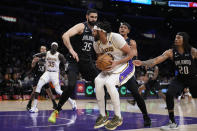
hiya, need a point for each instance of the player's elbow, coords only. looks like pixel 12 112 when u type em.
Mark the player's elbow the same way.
pixel 65 35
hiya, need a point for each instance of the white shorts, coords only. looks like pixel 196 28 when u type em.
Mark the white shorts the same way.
pixel 122 74
pixel 47 77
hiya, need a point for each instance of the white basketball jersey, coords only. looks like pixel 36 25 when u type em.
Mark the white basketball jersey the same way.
pixel 52 62
pixel 114 43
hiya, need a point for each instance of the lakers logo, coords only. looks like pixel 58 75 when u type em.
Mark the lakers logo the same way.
pixel 122 77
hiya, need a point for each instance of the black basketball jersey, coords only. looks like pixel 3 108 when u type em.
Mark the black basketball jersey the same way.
pixel 39 69
pixel 184 64
pixel 150 72
pixel 83 44
pixel 128 40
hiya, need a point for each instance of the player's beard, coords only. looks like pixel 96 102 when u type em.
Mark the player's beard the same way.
pixel 92 23
pixel 97 37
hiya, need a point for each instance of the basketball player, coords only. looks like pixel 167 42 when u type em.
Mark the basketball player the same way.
pixel 183 56
pixel 80 57
pixel 118 73
pixel 53 59
pixel 132 85
pixel 38 67
pixel 151 84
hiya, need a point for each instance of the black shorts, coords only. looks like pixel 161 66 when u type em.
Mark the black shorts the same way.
pixel 178 84
pixel 35 82
pixel 87 69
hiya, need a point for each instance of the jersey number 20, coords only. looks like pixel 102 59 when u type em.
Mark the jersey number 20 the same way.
pixel 183 70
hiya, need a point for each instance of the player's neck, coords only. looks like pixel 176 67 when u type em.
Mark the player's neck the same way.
pixel 53 52
pixel 91 27
pixel 180 49
pixel 125 37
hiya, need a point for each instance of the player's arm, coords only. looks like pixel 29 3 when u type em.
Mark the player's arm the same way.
pixel 156 72
pixel 77 29
pixel 194 53
pixel 151 62
pixel 133 45
pixel 121 44
pixel 62 59
pixel 40 54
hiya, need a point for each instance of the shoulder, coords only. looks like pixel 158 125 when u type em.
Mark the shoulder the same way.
pixel 117 37
pixel 118 40
pixel 78 28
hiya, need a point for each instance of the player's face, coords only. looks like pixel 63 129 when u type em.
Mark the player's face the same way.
pixel 123 30
pixel 54 47
pixel 95 33
pixel 178 40
pixel 43 49
pixel 92 18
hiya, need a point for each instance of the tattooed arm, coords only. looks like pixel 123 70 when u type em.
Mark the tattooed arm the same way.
pixel 167 54
pixel 194 53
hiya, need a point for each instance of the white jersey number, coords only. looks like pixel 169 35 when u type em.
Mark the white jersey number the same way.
pixel 87 46
pixel 51 63
pixel 183 70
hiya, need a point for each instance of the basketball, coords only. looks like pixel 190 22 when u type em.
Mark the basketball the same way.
pixel 104 61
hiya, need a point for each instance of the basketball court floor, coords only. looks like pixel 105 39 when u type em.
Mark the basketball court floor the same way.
pixel 13 116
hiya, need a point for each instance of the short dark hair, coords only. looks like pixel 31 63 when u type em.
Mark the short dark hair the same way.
pixel 91 11
pixel 126 24
pixel 105 25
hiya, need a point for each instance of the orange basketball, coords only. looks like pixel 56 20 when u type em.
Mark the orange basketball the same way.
pixel 104 61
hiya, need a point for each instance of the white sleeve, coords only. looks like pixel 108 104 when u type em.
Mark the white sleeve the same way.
pixel 96 48
pixel 118 40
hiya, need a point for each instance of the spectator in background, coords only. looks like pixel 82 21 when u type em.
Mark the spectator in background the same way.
pixel 17 85
pixel 7 85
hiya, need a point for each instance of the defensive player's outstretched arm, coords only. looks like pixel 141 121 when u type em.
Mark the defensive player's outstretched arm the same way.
pixel 194 53
pixel 40 54
pixel 77 29
pixel 151 62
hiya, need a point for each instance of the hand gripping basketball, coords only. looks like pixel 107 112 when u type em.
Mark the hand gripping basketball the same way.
pixel 104 61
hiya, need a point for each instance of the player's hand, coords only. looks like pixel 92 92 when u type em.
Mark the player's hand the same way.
pixel 36 59
pixel 114 63
pixel 75 55
pixel 137 62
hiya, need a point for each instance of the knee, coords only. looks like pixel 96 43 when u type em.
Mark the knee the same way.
pixel 98 80
pixel 41 82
